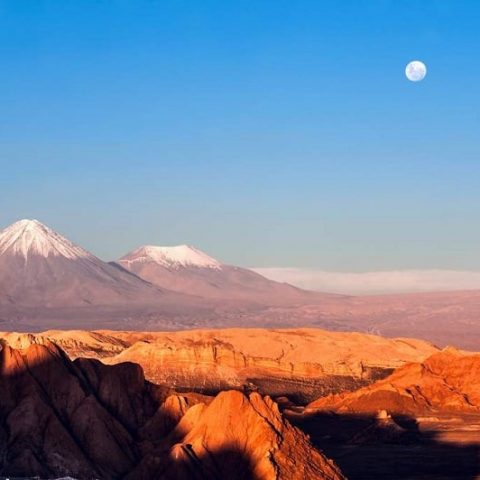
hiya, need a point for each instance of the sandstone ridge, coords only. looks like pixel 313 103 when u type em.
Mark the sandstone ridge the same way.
pixel 446 381
pixel 88 420
pixel 302 363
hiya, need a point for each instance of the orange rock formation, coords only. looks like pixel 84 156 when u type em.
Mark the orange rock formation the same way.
pixel 89 420
pixel 446 381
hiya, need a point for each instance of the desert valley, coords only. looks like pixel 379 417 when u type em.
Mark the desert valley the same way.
pixel 239 240
pixel 168 364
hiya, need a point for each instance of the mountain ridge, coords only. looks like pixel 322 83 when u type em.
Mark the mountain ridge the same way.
pixel 447 380
pixel 107 422
pixel 40 267
pixel 186 269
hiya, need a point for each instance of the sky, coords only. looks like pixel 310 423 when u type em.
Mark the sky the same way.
pixel 267 133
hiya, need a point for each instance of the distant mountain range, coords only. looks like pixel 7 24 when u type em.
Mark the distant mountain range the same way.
pixel 40 267
pixel 46 281
pixel 187 270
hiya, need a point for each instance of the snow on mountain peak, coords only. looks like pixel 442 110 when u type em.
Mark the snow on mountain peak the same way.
pixel 30 237
pixel 172 257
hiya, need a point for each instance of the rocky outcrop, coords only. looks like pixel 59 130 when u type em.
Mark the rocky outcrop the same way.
pixel 446 381
pixel 86 420
pixel 302 363
pixel 70 418
pixel 76 343
pixel 236 437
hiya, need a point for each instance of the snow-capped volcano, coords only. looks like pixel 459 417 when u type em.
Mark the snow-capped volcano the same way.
pixel 47 280
pixel 186 269
pixel 179 256
pixel 30 237
pixel 41 268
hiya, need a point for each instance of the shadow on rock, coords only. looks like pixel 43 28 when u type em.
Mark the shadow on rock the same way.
pixel 397 447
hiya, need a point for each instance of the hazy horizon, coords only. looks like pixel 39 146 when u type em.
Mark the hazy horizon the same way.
pixel 268 135
pixel 346 282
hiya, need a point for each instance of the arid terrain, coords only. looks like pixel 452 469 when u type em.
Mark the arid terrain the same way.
pixel 48 282
pixel 239 240
pixel 125 370
pixel 423 421
pixel 302 364
pixel 89 420
pixel 240 404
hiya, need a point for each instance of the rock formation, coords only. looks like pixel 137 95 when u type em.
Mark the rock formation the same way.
pixel 88 420
pixel 64 418
pixel 446 381
pixel 302 364
pixel 236 437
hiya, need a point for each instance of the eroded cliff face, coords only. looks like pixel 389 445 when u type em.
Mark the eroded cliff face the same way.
pixel 236 437
pixel 447 381
pixel 302 364
pixel 70 418
pixel 88 420
pixel 75 343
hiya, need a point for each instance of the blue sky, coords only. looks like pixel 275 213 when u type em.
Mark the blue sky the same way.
pixel 268 133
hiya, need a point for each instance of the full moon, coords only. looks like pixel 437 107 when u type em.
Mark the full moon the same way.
pixel 416 71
